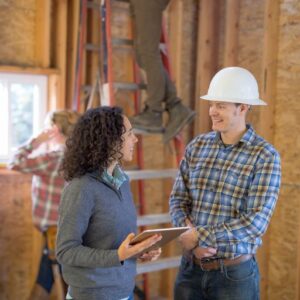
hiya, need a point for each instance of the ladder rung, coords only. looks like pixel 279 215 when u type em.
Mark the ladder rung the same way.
pixel 152 174
pixel 86 88
pixel 118 85
pixel 121 42
pixel 93 4
pixel 153 219
pixel 92 47
pixel 138 131
pixel 157 265
pixel 129 86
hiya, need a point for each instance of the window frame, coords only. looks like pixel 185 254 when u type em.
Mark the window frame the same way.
pixel 39 105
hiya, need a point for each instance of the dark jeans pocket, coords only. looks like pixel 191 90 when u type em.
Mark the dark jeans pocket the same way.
pixel 240 272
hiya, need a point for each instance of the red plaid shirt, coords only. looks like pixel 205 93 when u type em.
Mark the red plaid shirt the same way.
pixel 47 184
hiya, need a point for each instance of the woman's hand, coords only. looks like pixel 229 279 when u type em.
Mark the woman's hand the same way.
pixel 126 251
pixel 151 255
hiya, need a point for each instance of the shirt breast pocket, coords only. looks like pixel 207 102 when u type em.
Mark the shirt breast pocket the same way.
pixel 198 177
pixel 237 181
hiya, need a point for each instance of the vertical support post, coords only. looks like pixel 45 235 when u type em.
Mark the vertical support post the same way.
pixel 231 33
pixel 207 49
pixel 60 50
pixel 266 114
pixel 42 49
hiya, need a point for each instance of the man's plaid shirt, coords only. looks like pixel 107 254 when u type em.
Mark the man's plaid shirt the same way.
pixel 47 184
pixel 229 193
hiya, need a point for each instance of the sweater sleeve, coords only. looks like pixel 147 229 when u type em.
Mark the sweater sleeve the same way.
pixel 75 212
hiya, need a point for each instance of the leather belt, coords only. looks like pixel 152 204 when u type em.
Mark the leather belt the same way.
pixel 209 264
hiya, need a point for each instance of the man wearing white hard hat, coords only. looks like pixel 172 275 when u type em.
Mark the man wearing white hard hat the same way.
pixel 226 190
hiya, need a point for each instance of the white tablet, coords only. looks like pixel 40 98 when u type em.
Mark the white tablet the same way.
pixel 168 234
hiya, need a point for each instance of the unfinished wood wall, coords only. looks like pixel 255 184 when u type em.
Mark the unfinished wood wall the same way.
pixel 196 54
pixel 285 231
pixel 19 240
pixel 18 32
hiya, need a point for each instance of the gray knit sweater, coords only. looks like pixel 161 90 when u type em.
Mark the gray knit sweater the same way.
pixel 94 220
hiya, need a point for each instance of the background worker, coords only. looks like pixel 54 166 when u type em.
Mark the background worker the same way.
pixel 42 157
pixel 226 190
pixel 97 213
pixel 161 92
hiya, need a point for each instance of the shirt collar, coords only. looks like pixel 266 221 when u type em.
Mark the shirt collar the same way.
pixel 249 135
pixel 247 138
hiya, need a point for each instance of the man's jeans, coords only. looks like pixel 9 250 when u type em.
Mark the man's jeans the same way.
pixel 236 282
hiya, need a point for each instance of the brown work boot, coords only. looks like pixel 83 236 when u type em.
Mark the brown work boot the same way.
pixel 179 116
pixel 148 120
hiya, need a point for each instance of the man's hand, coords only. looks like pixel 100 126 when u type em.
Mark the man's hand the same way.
pixel 189 239
pixel 200 252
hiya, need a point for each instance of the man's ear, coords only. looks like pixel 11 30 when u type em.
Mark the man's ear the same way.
pixel 244 108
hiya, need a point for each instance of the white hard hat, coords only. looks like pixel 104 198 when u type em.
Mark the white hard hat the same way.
pixel 234 84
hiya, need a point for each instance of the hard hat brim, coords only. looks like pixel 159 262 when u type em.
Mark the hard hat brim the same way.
pixel 242 101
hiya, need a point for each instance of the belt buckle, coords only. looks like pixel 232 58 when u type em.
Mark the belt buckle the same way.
pixel 201 265
pixel 206 260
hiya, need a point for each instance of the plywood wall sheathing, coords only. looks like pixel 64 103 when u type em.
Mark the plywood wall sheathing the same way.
pixel 18 32
pixel 285 228
pixel 18 255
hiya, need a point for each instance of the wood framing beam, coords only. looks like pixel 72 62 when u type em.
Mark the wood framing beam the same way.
pixel 266 114
pixel 60 8
pixel 54 88
pixel 43 25
pixel 231 32
pixel 207 58
pixel 270 51
pixel 28 70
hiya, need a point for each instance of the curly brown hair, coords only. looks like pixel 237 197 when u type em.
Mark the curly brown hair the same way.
pixel 95 142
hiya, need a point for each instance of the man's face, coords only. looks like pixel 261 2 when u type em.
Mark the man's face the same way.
pixel 226 117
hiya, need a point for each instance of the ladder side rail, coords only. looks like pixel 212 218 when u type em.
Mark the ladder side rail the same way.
pixel 110 77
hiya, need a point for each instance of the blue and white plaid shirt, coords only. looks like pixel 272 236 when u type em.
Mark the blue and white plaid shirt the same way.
pixel 229 193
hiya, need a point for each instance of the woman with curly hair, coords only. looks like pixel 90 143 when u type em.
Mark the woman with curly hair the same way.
pixel 97 214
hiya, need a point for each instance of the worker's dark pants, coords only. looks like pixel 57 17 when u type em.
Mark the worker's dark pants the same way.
pixel 45 277
pixel 147 17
